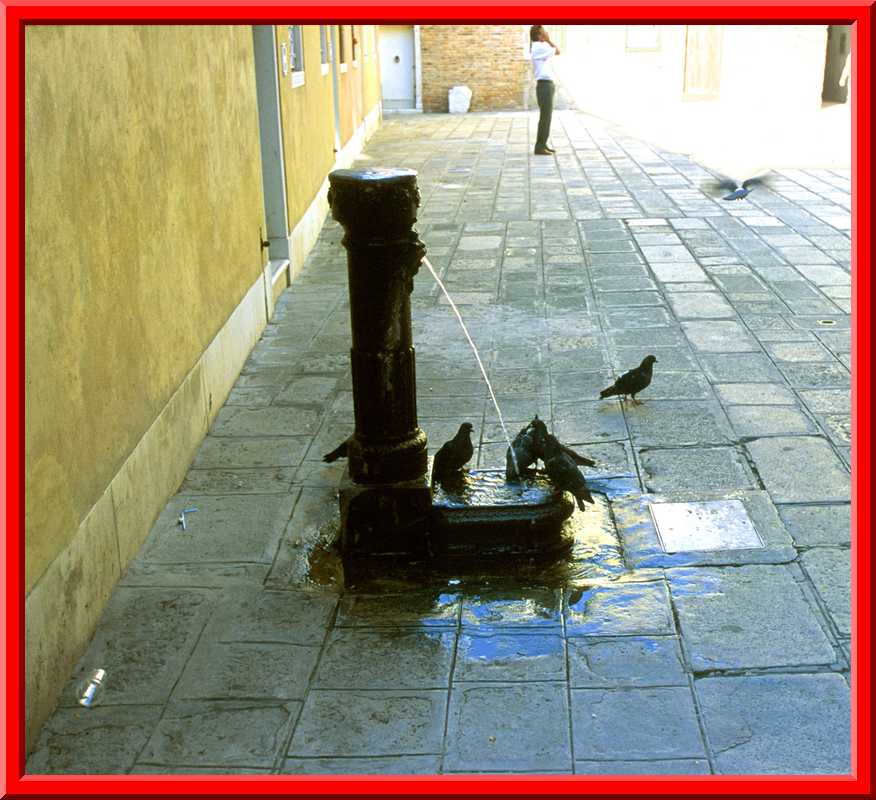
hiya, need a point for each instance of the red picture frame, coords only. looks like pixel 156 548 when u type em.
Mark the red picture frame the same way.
pixel 19 14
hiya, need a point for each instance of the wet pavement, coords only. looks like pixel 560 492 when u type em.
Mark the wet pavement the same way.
pixel 231 647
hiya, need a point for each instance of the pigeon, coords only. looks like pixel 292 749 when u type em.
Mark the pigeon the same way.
pixel 339 452
pixel 736 191
pixel 527 447
pixel 563 473
pixel 453 455
pixel 632 382
pixel 551 441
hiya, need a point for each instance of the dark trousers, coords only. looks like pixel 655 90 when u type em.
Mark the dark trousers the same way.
pixel 544 93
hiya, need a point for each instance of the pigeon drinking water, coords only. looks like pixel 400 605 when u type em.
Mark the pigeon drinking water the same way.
pixel 527 449
pixel 632 382
pixel 561 469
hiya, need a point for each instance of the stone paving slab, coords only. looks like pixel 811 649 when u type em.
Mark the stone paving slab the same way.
pixel 78 740
pixel 235 671
pixel 394 610
pixel 677 423
pixel 680 766
pixel 385 765
pixel 508 728
pixel 830 571
pixel 225 528
pixel 240 733
pixel 251 452
pixel 625 661
pixel 708 471
pixel 747 617
pixel 370 723
pixel 769 724
pixel 523 607
pixel 781 461
pixel 620 608
pixel 386 659
pixel 635 723
pixel 250 614
pixel 818 525
pixel 506 656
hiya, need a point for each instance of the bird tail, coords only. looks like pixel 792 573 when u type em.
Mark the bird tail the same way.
pixel 611 390
pixel 339 452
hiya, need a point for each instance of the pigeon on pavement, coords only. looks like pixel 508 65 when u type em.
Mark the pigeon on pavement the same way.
pixel 632 382
pixel 454 454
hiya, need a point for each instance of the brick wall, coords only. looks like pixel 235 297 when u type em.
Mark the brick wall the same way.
pixel 489 59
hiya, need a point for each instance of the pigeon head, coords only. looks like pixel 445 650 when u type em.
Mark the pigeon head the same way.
pixel 466 427
pixel 647 361
pixel 538 425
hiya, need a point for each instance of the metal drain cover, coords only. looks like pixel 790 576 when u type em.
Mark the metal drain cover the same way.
pixel 710 525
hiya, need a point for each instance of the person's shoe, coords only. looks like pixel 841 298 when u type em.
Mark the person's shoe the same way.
pixel 543 151
pixel 550 150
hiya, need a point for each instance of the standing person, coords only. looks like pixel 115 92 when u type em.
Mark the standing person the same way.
pixel 543 50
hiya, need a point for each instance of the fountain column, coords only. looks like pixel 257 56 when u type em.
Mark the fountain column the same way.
pixel 377 209
pixel 385 499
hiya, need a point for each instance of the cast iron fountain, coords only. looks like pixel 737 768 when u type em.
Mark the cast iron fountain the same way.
pixel 387 506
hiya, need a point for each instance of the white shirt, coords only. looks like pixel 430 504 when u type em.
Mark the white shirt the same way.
pixel 542 53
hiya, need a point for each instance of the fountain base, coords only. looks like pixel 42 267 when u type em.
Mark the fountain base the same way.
pixel 481 516
pixel 486 515
pixel 384 519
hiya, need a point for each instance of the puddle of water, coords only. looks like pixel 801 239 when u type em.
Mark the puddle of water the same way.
pixel 587 548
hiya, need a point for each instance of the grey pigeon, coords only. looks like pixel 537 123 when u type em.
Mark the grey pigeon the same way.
pixel 527 448
pixel 339 452
pixel 453 455
pixel 632 382
pixel 551 442
pixel 563 473
pixel 736 191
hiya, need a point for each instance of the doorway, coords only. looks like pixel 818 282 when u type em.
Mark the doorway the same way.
pixel 397 67
pixel 838 47
pixel 271 140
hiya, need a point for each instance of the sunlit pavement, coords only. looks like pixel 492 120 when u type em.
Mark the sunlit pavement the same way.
pixel 230 647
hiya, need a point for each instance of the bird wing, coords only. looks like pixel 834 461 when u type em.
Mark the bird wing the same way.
pixel 439 459
pixel 718 185
pixel 757 180
pixel 577 457
pixel 627 381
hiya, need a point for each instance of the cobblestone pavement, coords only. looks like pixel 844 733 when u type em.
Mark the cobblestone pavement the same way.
pixel 231 648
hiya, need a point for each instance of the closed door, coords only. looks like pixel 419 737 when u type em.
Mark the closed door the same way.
pixel 702 61
pixel 397 66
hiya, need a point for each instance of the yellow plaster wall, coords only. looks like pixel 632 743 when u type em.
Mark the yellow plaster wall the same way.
pixel 143 208
pixel 308 122
pixel 371 67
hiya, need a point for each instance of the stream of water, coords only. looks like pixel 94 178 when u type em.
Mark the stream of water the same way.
pixel 477 356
